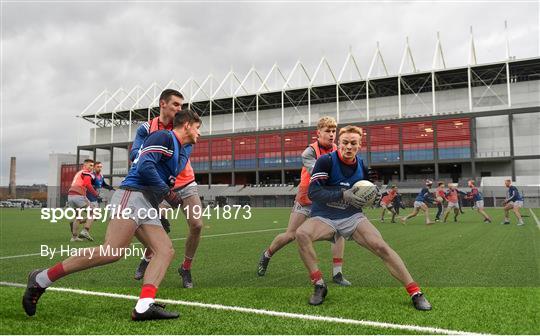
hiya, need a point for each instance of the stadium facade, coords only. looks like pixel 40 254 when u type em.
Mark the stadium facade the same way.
pixel 474 121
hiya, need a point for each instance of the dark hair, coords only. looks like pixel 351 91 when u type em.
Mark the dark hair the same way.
pixel 97 162
pixel 440 184
pixel 185 116
pixel 88 161
pixel 167 93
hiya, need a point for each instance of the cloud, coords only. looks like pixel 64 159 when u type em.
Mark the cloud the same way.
pixel 57 57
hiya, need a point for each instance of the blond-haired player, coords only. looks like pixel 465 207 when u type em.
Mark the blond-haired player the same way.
pixel 337 212
pixel 326 134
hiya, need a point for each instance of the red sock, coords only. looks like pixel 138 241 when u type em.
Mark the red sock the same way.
pixel 412 288
pixel 148 291
pixel 187 263
pixel 337 261
pixel 56 272
pixel 315 276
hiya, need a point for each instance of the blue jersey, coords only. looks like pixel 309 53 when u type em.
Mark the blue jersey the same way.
pixel 512 194
pixel 329 178
pixel 424 195
pixel 140 135
pixel 476 195
pixel 98 182
pixel 158 162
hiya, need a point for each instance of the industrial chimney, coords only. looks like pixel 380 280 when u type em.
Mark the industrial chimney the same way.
pixel 12 183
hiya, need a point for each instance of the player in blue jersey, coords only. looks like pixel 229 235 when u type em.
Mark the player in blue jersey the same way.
pixel 424 197
pixel 163 155
pixel 337 212
pixel 478 200
pixel 513 201
pixel 99 183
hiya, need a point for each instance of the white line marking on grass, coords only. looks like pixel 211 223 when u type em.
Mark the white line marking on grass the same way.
pixel 21 255
pixel 183 238
pixel 230 234
pixel 429 330
pixel 535 218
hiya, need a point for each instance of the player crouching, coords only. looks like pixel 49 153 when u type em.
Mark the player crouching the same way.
pixel 336 211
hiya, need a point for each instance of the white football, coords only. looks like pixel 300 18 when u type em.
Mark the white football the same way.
pixel 367 191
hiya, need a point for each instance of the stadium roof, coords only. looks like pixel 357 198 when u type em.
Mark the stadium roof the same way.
pixel 276 90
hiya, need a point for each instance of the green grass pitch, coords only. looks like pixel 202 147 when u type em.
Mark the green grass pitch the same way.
pixel 479 277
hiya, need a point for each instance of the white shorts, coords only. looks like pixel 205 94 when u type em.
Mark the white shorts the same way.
pixel 138 205
pixel 78 201
pixel 386 205
pixel 344 227
pixel 301 209
pixel 188 191
pixel 453 205
pixel 479 204
pixel 516 204
pixel 418 204
pixel 95 204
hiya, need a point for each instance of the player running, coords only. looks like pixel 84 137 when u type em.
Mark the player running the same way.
pixel 476 196
pixel 185 187
pixel 452 196
pixel 326 133
pixel 80 187
pixel 513 201
pixel 440 197
pixel 163 155
pixel 336 212
pixel 387 202
pixel 422 199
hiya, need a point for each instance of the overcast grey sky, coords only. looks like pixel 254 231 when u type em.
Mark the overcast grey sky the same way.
pixel 58 56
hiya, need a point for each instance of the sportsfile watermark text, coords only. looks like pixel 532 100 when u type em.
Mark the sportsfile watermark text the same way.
pixel 227 212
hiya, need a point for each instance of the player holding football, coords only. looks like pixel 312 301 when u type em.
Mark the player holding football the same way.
pixel 80 187
pixel 422 199
pixel 326 133
pixel 185 188
pixel 514 202
pixel 337 212
pixel 387 203
pixel 163 155
pixel 476 196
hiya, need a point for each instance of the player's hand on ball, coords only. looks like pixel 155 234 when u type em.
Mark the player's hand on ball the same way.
pixel 350 197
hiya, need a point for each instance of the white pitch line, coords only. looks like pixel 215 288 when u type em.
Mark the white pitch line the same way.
pixel 535 218
pixel 228 234
pixel 429 330
pixel 21 256
pixel 183 238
